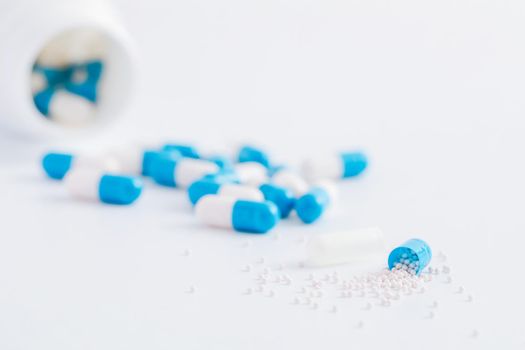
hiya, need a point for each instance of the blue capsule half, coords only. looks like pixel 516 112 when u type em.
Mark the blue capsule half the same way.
pixel 121 190
pixel 253 154
pixel 413 250
pixel 151 156
pixel 282 197
pixel 311 206
pixel 43 99
pixel 56 165
pixel 162 170
pixel 254 217
pixel 354 163
pixel 223 162
pixel 185 150
pixel 200 188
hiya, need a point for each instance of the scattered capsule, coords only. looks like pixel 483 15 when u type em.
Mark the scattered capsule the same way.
pixel 94 185
pixel 240 215
pixel 417 249
pixel 312 205
pixel 185 150
pixel 253 154
pixel 289 179
pixel 280 196
pixel 201 188
pixel 138 161
pixel 56 165
pixel 180 172
pixel 336 166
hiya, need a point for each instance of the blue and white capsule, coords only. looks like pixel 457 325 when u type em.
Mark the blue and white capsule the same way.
pixel 412 256
pixel 181 172
pixel 335 166
pixel 89 184
pixel 239 215
pixel 137 160
pixel 312 205
pixel 253 154
pixel 203 187
pixel 56 164
pixel 281 197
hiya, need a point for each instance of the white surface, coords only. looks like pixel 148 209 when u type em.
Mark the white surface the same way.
pixel 432 91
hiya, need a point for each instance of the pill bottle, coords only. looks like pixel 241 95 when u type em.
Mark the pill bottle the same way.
pixel 29 31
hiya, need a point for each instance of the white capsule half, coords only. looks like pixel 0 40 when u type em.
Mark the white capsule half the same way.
pixel 83 183
pixel 251 173
pixel 70 109
pixel 240 192
pixel 129 158
pixel 291 180
pixel 342 247
pixel 189 170
pixel 215 210
pixel 326 167
pixel 38 82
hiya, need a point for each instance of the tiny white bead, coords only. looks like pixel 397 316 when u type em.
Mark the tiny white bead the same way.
pixel 191 290
pixel 360 324
pixel 469 298
pixel 474 333
pixel 460 290
pixel 430 315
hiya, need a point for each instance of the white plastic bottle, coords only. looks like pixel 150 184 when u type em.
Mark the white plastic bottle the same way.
pixel 27 27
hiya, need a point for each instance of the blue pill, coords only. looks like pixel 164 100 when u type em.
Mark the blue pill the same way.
pixel 42 100
pixel 149 157
pixel 185 150
pixel 312 205
pixel 282 197
pixel 121 190
pixel 414 251
pixel 253 154
pixel 56 165
pixel 354 163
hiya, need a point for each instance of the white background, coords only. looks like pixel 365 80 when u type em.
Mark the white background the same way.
pixel 433 91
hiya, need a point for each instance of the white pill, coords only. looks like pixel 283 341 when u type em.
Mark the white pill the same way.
pixel 38 82
pixel 291 180
pixel 251 173
pixel 241 192
pixel 345 246
pixel 70 109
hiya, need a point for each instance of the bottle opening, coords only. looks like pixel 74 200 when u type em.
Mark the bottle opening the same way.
pixel 67 77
